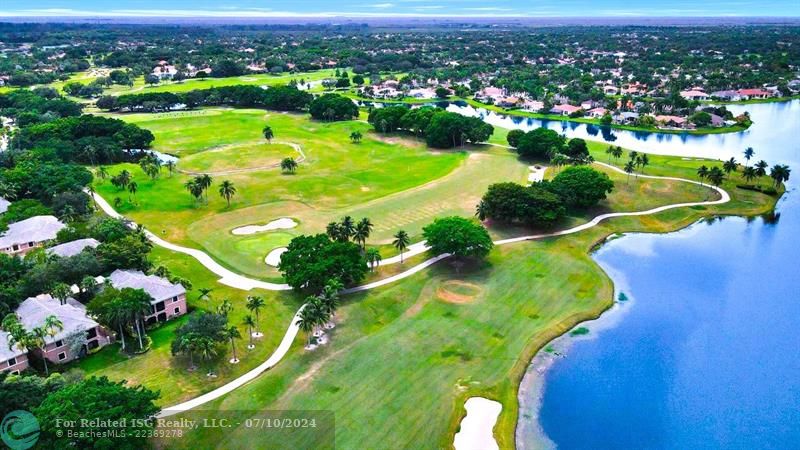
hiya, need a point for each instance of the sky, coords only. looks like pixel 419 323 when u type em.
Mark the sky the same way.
pixel 400 8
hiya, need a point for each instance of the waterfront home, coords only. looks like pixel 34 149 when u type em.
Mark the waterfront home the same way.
pixel 627 118
pixel 12 359
pixel 565 110
pixel 694 95
pixel 72 248
pixel 533 105
pixel 596 113
pixel 509 102
pixel 4 204
pixel 729 96
pixel 747 94
pixel 422 93
pixel 672 121
pixel 25 235
pixel 490 94
pixel 717 121
pixel 610 89
pixel 168 299
pixel 66 344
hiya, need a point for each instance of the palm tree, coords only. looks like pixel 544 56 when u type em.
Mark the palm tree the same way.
pixel 558 160
pixel 716 176
pixel 170 167
pixel 52 325
pixel 187 343
pixel 401 241
pixel 102 173
pixel 227 190
pixel 225 307
pixel 309 318
pixel 205 181
pixel 362 231
pixel 288 165
pixel 629 168
pixel 61 292
pixel 88 284
pixel 17 336
pixel 761 168
pixel 780 173
pixel 643 160
pixel 268 134
pixel 356 136
pixel 748 153
pixel 250 323
pixel 348 227
pixel 254 304
pixel 334 231
pixel 729 166
pixel 610 152
pixel 702 173
pixel 617 152
pixel 138 307
pixel 232 334
pixel 749 173
pixel 373 257
pixel 633 155
pixel 132 188
pixel 205 293
pixel 206 346
pixel 194 188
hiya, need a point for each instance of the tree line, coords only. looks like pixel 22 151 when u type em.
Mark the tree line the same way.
pixel 440 128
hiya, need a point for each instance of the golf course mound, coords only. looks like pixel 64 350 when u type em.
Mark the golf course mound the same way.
pixel 237 158
pixel 457 291
pixel 284 223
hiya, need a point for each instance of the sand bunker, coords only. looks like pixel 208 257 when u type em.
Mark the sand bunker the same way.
pixel 279 224
pixel 476 427
pixel 274 257
pixel 456 291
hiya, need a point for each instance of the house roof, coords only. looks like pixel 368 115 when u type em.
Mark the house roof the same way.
pixel 753 92
pixel 693 94
pixel 566 108
pixel 72 248
pixel 158 288
pixel 4 205
pixel 5 352
pixel 33 311
pixel 34 229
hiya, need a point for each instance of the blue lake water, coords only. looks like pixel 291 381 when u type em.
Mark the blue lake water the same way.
pixel 706 352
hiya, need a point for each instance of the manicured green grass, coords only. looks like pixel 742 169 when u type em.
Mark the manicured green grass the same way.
pixel 159 370
pixel 240 156
pixel 257 79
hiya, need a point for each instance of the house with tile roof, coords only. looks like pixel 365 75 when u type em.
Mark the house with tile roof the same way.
pixel 72 314
pixel 72 248
pixel 168 299
pixel 25 235
pixel 12 359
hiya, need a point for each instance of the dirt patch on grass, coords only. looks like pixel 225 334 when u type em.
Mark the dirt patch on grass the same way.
pixel 457 291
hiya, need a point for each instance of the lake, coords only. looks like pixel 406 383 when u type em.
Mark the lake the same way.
pixel 704 353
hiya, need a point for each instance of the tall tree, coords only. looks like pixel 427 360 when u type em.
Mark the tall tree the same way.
pixel 227 190
pixel 362 231
pixel 401 241
pixel 254 304
pixel 268 133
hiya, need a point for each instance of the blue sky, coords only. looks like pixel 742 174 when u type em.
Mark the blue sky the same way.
pixel 399 8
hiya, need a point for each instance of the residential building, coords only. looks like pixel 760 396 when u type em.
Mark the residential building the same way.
pixel 747 94
pixel 565 110
pixel 72 314
pixel 168 299
pixel 12 359
pixel 597 112
pixel 694 95
pixel 533 105
pixel 730 96
pixel 72 248
pixel 672 121
pixel 25 235
pixel 629 118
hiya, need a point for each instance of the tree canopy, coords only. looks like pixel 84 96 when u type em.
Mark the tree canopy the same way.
pixel 310 261
pixel 457 236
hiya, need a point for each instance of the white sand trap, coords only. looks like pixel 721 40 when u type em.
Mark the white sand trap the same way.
pixel 477 425
pixel 274 257
pixel 537 174
pixel 279 224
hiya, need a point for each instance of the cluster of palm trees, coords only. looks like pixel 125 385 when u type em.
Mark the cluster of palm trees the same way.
pixel 347 229
pixel 779 172
pixel 124 312
pixel 254 305
pixel 288 165
pixel 636 160
pixel 319 309
pixel 198 186
pixel 24 340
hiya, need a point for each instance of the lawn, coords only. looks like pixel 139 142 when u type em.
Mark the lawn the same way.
pixel 236 157
pixel 405 357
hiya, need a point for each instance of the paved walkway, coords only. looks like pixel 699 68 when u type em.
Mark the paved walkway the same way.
pixel 235 280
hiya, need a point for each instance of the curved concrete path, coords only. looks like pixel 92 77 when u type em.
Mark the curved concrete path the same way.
pixel 235 280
